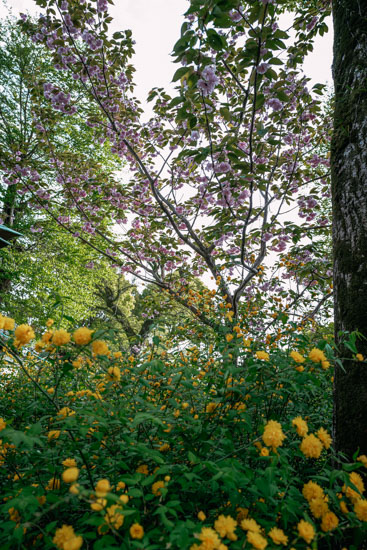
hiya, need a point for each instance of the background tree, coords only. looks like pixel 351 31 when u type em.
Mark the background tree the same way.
pixel 53 276
pixel 23 143
pixel 151 313
pixel 48 265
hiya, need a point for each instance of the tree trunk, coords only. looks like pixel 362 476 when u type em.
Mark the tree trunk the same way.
pixel 349 191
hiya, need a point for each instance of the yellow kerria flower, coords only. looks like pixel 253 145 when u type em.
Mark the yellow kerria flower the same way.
pixel 278 536
pixel 114 374
pixel 102 488
pixel 201 516
pixel 65 411
pixel 53 484
pixel 46 337
pixel 242 514
pixel 297 357
pixel 70 475
pixel 114 516
pixel 363 459
pixel 53 434
pixel 23 334
pixel 209 538
pixel 60 337
pixel 156 488
pixel 316 355
pixel 312 490
pixel 99 347
pixel 344 507
pixel 311 446
pixel 301 426
pixel 14 514
pixel 358 482
pixel 210 407
pixel 74 489
pixel 225 526
pixel 136 531
pixel 69 462
pixel 318 507
pixel 306 531
pixel 99 504
pixel 262 355
pixel 329 522
pixel 143 469
pixel 257 540
pixel 2 424
pixel 41 499
pixel 360 509
pixel 250 524
pixel 82 336
pixel 273 435
pixel 324 437
pixel 8 323
pixel 66 539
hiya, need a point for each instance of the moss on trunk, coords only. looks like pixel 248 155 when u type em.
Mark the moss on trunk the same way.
pixel 349 191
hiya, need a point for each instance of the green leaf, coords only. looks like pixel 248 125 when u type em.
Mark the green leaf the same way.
pixel 216 41
pixel 260 100
pixel 282 95
pixel 181 72
pixel 144 417
pixel 20 439
pixel 175 101
pixel 107 542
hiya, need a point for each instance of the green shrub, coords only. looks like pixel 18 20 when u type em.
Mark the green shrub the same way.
pixel 225 447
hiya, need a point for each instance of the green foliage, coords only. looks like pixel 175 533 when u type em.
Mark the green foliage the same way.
pixel 50 278
pixel 172 433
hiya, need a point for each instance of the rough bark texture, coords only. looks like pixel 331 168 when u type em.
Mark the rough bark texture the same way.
pixel 349 190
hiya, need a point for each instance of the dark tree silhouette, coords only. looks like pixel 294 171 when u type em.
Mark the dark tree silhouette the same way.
pixel 349 189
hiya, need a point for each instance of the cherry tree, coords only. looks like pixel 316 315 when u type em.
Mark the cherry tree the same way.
pixel 226 172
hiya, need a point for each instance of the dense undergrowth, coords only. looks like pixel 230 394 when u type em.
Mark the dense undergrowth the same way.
pixel 222 446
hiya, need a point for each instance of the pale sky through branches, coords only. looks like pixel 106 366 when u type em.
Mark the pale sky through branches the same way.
pixel 156 27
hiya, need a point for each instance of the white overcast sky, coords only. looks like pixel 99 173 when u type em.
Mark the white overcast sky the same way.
pixel 156 27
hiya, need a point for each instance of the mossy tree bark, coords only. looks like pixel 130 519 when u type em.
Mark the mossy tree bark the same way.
pixel 349 191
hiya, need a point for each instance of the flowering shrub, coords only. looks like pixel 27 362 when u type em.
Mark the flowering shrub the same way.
pixel 223 447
